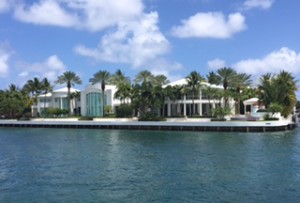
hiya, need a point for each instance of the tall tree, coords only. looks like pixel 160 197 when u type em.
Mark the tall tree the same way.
pixel 266 89
pixel 160 80
pixel 213 78
pixel 279 89
pixel 119 78
pixel 123 86
pixel 241 81
pixel 101 77
pixel 286 85
pixel 34 89
pixel 226 78
pixel 143 77
pixel 194 80
pixel 46 87
pixel 13 102
pixel 70 78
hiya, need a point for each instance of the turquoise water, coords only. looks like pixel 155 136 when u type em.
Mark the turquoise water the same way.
pixel 67 165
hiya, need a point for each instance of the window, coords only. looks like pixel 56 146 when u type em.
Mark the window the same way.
pixel 94 104
pixel 43 100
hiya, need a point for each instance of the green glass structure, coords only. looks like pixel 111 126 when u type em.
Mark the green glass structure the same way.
pixel 94 104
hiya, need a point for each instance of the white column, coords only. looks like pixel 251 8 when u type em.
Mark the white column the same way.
pixel 200 109
pixel 169 108
pixel 184 105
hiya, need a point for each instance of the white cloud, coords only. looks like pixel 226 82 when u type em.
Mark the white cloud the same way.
pixel 165 67
pixel 97 15
pixel 136 43
pixel 263 4
pixel 93 15
pixel 216 64
pixel 50 68
pixel 4 6
pixel 210 25
pixel 47 12
pixel 283 59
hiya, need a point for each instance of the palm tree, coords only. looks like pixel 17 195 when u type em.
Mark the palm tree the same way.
pixel 286 85
pixel 194 80
pixel 70 78
pixel 213 78
pixel 46 87
pixel 240 81
pixel 226 77
pixel 101 77
pixel 160 80
pixel 280 89
pixel 266 91
pixel 34 88
pixel 75 95
pixel 119 78
pixel 123 92
pixel 144 76
pixel 123 85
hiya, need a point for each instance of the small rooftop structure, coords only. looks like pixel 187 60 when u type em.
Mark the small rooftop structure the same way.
pixel 252 101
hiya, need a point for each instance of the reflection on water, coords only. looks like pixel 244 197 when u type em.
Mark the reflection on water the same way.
pixel 66 165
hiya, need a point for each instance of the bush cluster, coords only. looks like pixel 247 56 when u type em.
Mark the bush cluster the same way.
pixel 54 112
pixel 85 118
pixel 150 116
pixel 124 111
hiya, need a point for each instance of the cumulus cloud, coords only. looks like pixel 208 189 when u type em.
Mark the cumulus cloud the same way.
pixel 283 59
pixel 165 67
pixel 216 64
pixel 50 68
pixel 93 15
pixel 47 12
pixel 136 43
pixel 210 25
pixel 4 5
pixel 263 4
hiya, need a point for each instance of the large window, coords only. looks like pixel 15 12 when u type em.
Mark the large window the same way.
pixel 65 103
pixel 43 100
pixel 94 104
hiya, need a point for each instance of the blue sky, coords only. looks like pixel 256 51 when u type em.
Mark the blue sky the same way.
pixel 44 38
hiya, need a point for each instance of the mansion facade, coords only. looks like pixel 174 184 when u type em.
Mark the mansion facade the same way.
pixel 90 101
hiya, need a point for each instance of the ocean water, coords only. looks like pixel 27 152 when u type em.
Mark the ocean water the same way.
pixel 71 165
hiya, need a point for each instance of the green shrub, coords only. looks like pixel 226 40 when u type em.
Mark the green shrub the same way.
pixel 217 119
pixel 150 116
pixel 54 112
pixel 124 111
pixel 85 118
pixel 221 112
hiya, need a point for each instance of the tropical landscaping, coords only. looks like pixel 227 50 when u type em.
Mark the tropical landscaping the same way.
pixel 146 94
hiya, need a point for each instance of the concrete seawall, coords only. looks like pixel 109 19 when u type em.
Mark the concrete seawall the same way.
pixel 228 126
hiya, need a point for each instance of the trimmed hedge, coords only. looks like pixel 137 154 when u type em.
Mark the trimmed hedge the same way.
pixel 85 118
pixel 218 119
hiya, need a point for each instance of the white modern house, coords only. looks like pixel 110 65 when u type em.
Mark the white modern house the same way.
pixel 58 99
pixel 203 104
pixel 91 100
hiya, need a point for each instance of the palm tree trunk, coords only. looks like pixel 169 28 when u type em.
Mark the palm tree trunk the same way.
pixel 193 106
pixel 45 102
pixel 69 98
pixel 103 103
